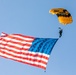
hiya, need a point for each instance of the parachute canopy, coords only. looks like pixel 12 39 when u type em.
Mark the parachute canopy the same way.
pixel 63 15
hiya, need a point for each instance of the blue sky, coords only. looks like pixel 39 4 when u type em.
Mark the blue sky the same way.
pixel 31 17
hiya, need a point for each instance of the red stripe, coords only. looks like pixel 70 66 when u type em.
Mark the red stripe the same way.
pixel 18 48
pixel 17 38
pixel 26 63
pixel 27 54
pixel 23 36
pixel 30 59
pixel 14 42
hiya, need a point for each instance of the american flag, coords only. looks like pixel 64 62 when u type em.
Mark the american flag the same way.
pixel 26 49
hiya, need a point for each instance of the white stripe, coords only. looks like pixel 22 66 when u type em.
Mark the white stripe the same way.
pixel 6 38
pixel 3 34
pixel 26 56
pixel 3 42
pixel 26 46
pixel 22 42
pixel 16 40
pixel 24 51
pixel 2 46
pixel 24 38
pixel 19 59
pixel 16 45
pixel 39 53
pixel 14 49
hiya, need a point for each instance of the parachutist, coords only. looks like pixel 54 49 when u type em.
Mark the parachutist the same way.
pixel 60 32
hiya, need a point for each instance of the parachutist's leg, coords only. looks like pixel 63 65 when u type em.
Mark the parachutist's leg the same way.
pixel 60 33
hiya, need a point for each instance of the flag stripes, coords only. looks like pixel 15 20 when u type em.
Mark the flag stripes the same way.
pixel 36 63
pixel 24 49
